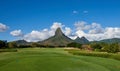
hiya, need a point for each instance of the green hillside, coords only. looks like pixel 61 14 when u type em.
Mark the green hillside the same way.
pixel 112 40
pixel 81 40
pixel 59 39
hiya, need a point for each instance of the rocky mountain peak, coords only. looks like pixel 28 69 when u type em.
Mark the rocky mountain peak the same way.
pixel 58 32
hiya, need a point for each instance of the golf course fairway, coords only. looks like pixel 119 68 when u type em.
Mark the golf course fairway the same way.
pixel 53 59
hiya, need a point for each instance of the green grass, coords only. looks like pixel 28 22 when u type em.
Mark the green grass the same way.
pixel 93 53
pixel 53 59
pixel 8 50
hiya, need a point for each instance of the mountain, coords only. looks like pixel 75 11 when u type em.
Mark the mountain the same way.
pixel 22 42
pixel 59 39
pixel 81 40
pixel 112 40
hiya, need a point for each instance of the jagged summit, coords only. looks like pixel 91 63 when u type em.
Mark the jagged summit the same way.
pixel 77 38
pixel 58 32
pixel 81 40
pixel 59 39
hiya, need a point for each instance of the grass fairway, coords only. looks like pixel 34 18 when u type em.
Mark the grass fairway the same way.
pixel 53 59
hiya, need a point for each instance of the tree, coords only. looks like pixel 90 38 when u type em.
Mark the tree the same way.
pixel 12 45
pixel 96 46
pixel 113 48
pixel 74 44
pixel 3 44
pixel 119 46
pixel 35 44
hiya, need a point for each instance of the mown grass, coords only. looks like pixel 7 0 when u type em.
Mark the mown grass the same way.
pixel 53 59
pixel 8 50
pixel 95 54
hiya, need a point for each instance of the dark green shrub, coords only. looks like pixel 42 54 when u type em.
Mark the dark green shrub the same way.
pixel 3 44
pixel 112 48
pixel 74 44
pixel 24 46
pixel 12 45
pixel 96 46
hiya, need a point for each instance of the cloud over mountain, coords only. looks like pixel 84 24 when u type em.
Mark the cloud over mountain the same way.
pixel 95 31
pixel 36 35
pixel 92 31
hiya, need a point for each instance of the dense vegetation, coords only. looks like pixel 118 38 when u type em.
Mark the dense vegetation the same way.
pixel 74 44
pixel 92 53
pixel 3 44
pixel 94 46
pixel 106 47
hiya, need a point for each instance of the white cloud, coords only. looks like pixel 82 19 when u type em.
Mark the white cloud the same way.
pixel 46 33
pixel 93 31
pixel 67 31
pixel 56 25
pixel 80 33
pixel 82 25
pixel 3 27
pixel 16 33
pixel 85 12
pixel 75 12
pixel 37 35
pixel 111 32
pixel 96 29
pixel 93 28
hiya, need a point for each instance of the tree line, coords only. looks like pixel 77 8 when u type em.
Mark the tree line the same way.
pixel 94 46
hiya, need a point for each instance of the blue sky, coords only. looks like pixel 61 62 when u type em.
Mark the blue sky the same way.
pixel 37 15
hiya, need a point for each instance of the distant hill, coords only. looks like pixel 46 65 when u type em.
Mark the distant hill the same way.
pixel 112 40
pixel 22 42
pixel 59 39
pixel 81 40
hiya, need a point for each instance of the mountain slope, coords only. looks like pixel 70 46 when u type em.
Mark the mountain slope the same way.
pixel 81 40
pixel 59 39
pixel 112 40
pixel 21 42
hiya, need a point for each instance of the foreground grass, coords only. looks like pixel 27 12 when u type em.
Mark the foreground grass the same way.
pixel 53 59
pixel 8 50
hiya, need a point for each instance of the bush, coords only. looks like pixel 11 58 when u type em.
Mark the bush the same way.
pixel 24 46
pixel 112 48
pixel 12 45
pixel 74 44
pixel 96 54
pixel 96 46
pixel 3 44
pixel 35 44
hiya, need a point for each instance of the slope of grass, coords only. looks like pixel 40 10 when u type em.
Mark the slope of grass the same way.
pixel 53 59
